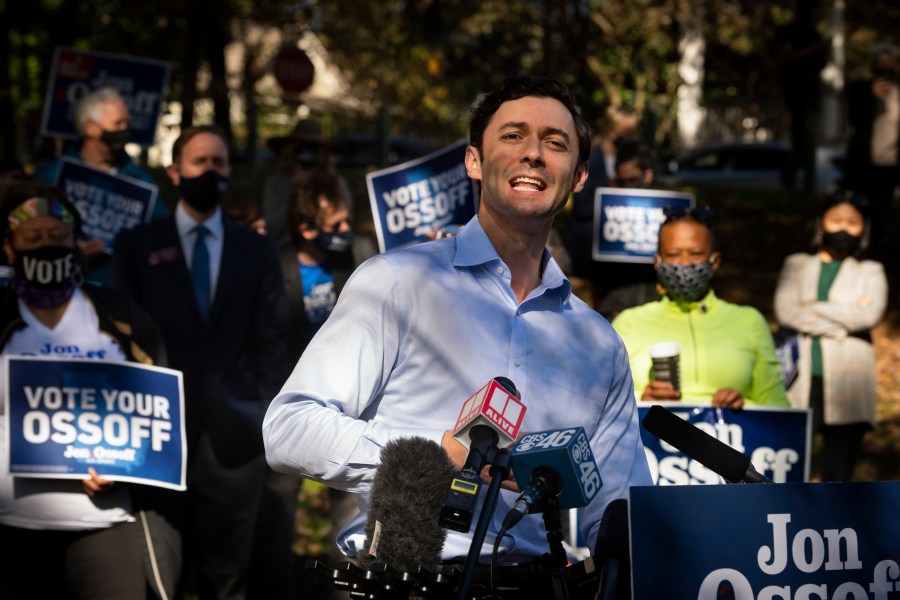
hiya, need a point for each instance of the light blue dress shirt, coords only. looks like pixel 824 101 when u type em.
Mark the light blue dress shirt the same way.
pixel 214 239
pixel 417 331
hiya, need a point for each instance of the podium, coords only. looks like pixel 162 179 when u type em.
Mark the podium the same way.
pixel 792 540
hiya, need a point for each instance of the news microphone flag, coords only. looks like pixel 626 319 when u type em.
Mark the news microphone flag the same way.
pixel 565 452
pixel 493 406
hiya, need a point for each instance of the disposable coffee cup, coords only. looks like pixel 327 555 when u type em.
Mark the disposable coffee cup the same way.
pixel 665 363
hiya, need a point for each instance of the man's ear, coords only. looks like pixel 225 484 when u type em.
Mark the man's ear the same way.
pixel 174 177
pixel 656 260
pixel 473 163
pixel 581 175
pixel 716 260
pixel 91 129
pixel 307 232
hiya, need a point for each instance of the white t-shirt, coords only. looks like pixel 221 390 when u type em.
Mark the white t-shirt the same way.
pixel 34 503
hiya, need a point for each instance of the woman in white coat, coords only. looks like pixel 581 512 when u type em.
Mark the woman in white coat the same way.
pixel 833 298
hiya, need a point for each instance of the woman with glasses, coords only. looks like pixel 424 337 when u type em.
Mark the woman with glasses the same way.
pixel 833 297
pixel 727 355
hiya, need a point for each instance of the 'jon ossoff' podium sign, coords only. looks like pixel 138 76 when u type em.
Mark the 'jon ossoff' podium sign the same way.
pixel 766 541
pixel 124 420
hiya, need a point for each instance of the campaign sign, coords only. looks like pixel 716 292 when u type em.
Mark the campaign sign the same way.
pixel 76 73
pixel 758 541
pixel 108 203
pixel 626 222
pixel 777 440
pixel 123 419
pixel 420 196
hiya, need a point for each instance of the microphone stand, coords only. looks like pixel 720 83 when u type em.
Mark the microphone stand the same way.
pixel 556 559
pixel 500 464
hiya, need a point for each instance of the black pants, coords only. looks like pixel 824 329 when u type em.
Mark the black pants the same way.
pixel 840 443
pixel 223 506
pixel 98 564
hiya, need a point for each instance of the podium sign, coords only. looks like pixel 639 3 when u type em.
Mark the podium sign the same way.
pixel 778 541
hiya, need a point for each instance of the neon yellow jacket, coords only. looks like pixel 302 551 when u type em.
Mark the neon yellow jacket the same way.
pixel 722 345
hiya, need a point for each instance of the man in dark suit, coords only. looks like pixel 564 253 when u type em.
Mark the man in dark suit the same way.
pixel 215 290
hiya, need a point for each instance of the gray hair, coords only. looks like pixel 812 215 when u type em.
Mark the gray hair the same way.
pixel 90 108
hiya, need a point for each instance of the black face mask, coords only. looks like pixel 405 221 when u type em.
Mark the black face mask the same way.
pixel 841 241
pixel 115 140
pixel 203 193
pixel 333 243
pixel 46 277
pixel 885 73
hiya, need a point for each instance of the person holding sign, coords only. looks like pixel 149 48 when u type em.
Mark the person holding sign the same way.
pixel 101 119
pixel 833 298
pixel 64 538
pixel 417 330
pixel 727 355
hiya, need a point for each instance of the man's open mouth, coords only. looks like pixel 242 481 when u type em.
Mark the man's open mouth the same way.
pixel 527 184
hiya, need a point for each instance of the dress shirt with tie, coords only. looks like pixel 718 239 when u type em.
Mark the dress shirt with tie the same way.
pixel 187 233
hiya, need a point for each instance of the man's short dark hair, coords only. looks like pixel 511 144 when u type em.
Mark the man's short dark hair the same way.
pixel 192 132
pixel 303 203
pixel 522 86
pixel 629 149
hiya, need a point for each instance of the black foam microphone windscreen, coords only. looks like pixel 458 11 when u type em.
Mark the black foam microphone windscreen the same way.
pixel 720 458
pixel 402 527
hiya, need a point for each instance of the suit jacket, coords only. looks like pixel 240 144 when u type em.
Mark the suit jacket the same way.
pixel 856 302
pixel 235 363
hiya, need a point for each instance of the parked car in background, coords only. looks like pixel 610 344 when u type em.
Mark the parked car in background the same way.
pixel 750 165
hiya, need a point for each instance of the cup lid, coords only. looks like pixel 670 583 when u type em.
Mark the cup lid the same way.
pixel 664 350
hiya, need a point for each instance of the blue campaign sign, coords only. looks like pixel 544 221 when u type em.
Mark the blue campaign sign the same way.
pixel 76 73
pixel 123 419
pixel 626 222
pixel 755 541
pixel 108 203
pixel 777 440
pixel 420 196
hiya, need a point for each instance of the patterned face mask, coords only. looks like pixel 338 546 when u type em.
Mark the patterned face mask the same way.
pixel 686 283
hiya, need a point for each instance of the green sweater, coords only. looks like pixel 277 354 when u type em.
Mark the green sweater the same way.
pixel 722 345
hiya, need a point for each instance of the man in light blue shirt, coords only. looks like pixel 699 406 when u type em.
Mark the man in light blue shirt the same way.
pixel 417 331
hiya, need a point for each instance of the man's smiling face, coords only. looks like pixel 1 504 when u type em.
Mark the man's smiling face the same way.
pixel 528 165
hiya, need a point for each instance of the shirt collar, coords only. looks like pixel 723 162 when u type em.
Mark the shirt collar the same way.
pixel 473 247
pixel 707 303
pixel 185 224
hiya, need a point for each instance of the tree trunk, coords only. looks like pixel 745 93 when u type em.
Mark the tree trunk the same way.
pixel 692 51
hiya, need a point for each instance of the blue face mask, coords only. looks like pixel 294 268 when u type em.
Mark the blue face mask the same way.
pixel 686 283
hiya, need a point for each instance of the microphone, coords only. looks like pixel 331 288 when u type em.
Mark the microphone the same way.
pixel 496 406
pixel 402 528
pixel 555 463
pixel 720 458
pixel 491 417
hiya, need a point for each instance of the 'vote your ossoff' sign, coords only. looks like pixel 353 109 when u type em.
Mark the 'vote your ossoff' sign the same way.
pixel 417 197
pixel 124 420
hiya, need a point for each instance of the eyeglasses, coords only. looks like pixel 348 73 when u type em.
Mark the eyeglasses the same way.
pixel 703 214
